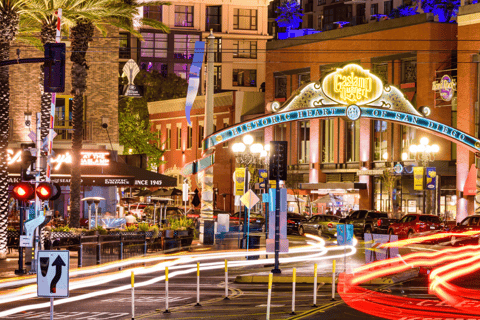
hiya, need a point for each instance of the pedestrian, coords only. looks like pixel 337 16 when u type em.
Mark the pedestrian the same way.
pixel 339 212
pixel 130 219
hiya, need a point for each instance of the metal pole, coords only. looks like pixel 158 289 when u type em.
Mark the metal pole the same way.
pixel 277 219
pixel 315 285
pixel 38 146
pixel 133 294
pixel 226 281
pixel 20 249
pixel 333 280
pixel 96 215
pixel 90 216
pixel 166 291
pixel 51 308
pixel 269 296
pixel 294 281
pixel 198 285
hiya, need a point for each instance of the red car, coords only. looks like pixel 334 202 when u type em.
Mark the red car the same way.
pixel 414 223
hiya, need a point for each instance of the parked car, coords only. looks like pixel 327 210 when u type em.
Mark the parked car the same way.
pixel 320 224
pixel 471 223
pixel 257 221
pixel 412 224
pixel 293 222
pixel 367 221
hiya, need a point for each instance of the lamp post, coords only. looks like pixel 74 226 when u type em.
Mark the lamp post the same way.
pixel 248 153
pixel 425 153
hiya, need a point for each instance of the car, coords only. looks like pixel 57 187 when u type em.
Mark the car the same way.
pixel 293 222
pixel 257 221
pixel 368 221
pixel 414 223
pixel 470 223
pixel 194 214
pixel 319 224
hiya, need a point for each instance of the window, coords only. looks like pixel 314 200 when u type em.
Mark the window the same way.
pixel 304 141
pixel 200 134
pixel 183 16
pixel 374 9
pixel 182 70
pixel 225 125
pixel 159 135
pixel 353 141
pixel 280 87
pixel 218 50
pixel 184 46
pixel 153 12
pixel 124 46
pixel 380 141
pixel 409 71
pixel 189 138
pixel 217 78
pixel 408 134
pixel 179 136
pixel 328 142
pixel 303 78
pixel 168 141
pixel 320 2
pixel 214 19
pixel 154 46
pixel 245 49
pixel 280 131
pixel 63 119
pixel 244 19
pixel 244 78
pixel 387 7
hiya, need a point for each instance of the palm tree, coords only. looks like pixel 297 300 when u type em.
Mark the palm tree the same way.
pixel 10 11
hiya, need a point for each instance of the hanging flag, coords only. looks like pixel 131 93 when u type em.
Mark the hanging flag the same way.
pixel 239 181
pixel 194 77
pixel 431 178
pixel 262 178
pixel 418 178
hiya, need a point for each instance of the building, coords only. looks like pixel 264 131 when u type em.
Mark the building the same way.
pixel 241 35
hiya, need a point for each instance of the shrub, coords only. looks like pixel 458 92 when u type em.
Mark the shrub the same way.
pixel 131 228
pixel 143 226
pixel 61 229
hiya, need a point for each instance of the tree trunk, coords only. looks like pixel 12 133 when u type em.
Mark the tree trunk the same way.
pixel 4 127
pixel 79 35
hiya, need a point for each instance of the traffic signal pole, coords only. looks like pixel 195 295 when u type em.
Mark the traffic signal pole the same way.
pixel 276 269
pixel 21 270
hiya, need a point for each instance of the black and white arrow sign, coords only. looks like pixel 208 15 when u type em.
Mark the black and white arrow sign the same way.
pixel 53 279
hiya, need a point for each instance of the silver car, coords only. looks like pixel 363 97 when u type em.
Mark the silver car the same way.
pixel 320 224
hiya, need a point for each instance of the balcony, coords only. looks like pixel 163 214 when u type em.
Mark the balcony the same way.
pixel 64 130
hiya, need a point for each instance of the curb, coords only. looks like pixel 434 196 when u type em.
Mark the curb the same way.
pixel 307 279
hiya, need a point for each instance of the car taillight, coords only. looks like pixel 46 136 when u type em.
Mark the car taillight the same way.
pixel 290 221
pixel 330 225
pixel 379 222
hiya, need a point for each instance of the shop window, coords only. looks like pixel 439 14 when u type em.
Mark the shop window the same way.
pixel 304 141
pixel 154 45
pixel 184 45
pixel 179 136
pixel 244 19
pixel 183 16
pixel 214 18
pixel 168 140
pixel 124 46
pixel 189 138
pixel 280 87
pixel 409 71
pixel 380 141
pixel 245 49
pixel 352 141
pixel 328 141
pixel 200 134
pixel 153 12
pixel 244 78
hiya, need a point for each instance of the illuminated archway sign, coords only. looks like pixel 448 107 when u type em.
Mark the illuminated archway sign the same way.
pixel 350 92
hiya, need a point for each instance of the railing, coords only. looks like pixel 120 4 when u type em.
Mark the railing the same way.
pixel 64 130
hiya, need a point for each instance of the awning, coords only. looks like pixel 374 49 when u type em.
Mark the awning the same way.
pixel 329 198
pixel 333 186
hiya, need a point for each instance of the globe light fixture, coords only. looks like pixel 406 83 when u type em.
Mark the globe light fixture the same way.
pixel 404 156
pixel 238 147
pixel 248 139
pixel 256 148
pixel 424 152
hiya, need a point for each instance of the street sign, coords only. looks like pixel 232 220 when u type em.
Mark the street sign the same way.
pixel 345 234
pixel 52 274
pixel 26 241
pixel 249 199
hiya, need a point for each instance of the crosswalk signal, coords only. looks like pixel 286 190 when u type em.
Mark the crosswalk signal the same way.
pixel 23 191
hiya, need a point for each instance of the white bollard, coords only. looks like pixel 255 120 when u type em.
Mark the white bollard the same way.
pixel 314 285
pixel 294 283
pixel 198 285
pixel 226 281
pixel 333 280
pixel 269 297
pixel 133 295
pixel 166 291
pixel 51 308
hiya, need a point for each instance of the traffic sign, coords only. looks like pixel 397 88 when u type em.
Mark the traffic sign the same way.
pixel 345 234
pixel 249 199
pixel 52 273
pixel 26 241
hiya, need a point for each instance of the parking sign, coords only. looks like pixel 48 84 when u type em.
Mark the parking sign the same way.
pixel 52 274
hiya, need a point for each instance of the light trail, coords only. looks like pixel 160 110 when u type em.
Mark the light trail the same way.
pixel 188 263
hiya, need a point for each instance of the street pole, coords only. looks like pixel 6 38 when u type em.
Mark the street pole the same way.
pixel 21 270
pixel 277 218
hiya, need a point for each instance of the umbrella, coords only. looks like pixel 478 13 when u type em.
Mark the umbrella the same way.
pixel 329 198
pixel 129 191
pixel 292 198
pixel 157 193
pixel 144 193
pixel 196 199
pixel 161 199
pixel 128 199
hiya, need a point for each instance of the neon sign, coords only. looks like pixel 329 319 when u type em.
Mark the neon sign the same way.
pixel 352 85
pixel 447 87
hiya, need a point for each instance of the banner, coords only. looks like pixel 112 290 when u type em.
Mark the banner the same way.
pixel 239 181
pixel 194 77
pixel 418 178
pixel 262 178
pixel 431 178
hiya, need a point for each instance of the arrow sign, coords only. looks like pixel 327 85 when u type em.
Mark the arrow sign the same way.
pixel 58 263
pixel 52 277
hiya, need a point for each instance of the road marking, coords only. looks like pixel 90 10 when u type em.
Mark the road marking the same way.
pixel 272 305
pixel 141 299
pixel 69 315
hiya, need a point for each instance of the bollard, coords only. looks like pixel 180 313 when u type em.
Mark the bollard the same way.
pixel 80 255
pixel 333 280
pixel 269 296
pixel 99 253
pixel 226 281
pixel 294 282
pixel 314 285
pixel 166 291
pixel 198 285
pixel 133 295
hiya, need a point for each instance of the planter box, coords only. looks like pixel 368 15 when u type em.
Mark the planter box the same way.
pixel 169 234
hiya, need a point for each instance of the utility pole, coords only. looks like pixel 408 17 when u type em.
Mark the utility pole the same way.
pixel 207 235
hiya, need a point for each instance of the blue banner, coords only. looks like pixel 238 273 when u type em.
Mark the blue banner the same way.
pixel 262 178
pixel 194 77
pixel 431 178
pixel 345 234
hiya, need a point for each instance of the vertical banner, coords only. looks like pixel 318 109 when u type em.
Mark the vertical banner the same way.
pixel 418 178
pixel 239 181
pixel 194 77
pixel 431 178
pixel 262 178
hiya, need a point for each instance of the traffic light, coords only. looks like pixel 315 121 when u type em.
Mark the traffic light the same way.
pixel 54 80
pixel 57 192
pixel 278 160
pixel 23 191
pixel 27 161
pixel 44 191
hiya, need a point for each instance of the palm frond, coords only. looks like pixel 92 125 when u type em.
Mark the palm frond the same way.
pixel 141 3
pixel 155 24
pixel 31 40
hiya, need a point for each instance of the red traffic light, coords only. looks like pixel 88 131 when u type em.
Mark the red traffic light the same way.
pixel 44 191
pixel 23 191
